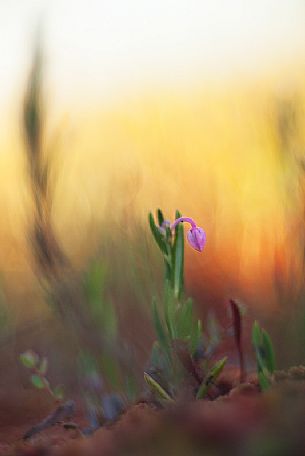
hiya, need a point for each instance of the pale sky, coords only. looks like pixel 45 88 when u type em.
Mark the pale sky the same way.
pixel 97 46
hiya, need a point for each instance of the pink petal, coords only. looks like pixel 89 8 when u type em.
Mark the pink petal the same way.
pixel 197 238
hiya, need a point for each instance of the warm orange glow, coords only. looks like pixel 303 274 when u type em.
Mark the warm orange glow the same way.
pixel 213 153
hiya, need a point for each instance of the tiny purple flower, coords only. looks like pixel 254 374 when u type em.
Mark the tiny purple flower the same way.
pixel 165 224
pixel 196 236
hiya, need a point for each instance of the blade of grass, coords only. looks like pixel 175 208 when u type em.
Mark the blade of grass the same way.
pixel 210 378
pixel 156 234
pixel 156 388
pixel 178 259
pixel 268 351
pixel 160 217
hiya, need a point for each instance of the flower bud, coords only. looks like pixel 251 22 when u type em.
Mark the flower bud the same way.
pixel 197 238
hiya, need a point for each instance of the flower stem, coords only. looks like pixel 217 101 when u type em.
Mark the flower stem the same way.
pixel 183 219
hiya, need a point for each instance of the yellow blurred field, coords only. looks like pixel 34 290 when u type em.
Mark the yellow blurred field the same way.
pixel 215 151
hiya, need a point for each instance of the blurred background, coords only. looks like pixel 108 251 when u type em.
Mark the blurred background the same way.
pixel 110 109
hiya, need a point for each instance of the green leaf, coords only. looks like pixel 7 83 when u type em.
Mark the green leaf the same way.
pixel 43 366
pixel 263 348
pixel 185 320
pixel 29 359
pixel 178 214
pixel 156 388
pixel 161 334
pixel 168 234
pixel 210 378
pixel 156 234
pixel 168 269
pixel 217 368
pixel 264 356
pixel 159 359
pixel 178 259
pixel 268 351
pixel 38 382
pixel 257 342
pixel 169 312
pixel 160 217
pixel 264 382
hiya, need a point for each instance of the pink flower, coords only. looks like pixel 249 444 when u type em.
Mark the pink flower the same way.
pixel 196 236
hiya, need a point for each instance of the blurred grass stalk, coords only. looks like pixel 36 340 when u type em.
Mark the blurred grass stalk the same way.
pixel 51 264
pixel 290 291
pixel 77 298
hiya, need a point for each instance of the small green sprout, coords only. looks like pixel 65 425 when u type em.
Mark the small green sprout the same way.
pixel 264 356
pixel 178 321
pixel 171 244
pixel 38 367
pixel 179 333
pixel 156 388
pixel 210 378
pixel 29 359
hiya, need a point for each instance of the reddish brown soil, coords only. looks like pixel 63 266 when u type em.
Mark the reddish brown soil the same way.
pixel 19 411
pixel 245 422
pixel 240 422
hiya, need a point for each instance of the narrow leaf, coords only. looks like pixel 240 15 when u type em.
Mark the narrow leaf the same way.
pixel 218 367
pixel 29 359
pixel 37 381
pixel 160 217
pixel 156 388
pixel 185 319
pixel 169 313
pixel 264 382
pixel 178 256
pixel 212 375
pixel 268 351
pixel 264 356
pixel 156 234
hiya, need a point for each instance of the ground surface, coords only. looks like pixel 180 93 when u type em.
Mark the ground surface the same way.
pixel 241 422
